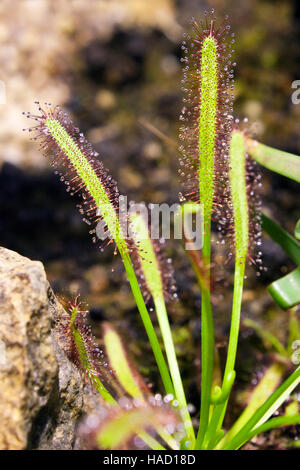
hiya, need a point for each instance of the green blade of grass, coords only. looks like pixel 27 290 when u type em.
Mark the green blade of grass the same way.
pixel 282 238
pixel 284 163
pixel 297 230
pixel 286 290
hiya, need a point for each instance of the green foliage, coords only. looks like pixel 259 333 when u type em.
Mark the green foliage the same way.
pixel 208 139
pixel 297 230
pixel 84 352
pixel 284 163
pixel 119 362
pixel 237 178
pixel 282 238
pixel 207 128
pixel 262 391
pixel 208 89
pixel 286 290
pixel 265 411
pixel 90 179
pixel 153 277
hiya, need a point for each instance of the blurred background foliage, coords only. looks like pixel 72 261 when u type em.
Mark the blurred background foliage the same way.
pixel 114 65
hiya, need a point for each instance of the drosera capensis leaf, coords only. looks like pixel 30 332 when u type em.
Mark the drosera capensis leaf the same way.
pixel 75 160
pixel 121 428
pixel 118 427
pixel 78 343
pixel 274 423
pixel 117 356
pixel 146 253
pixel 81 348
pixel 244 211
pixel 239 201
pixel 206 115
pixel 81 171
pixel 129 378
pixel 77 164
pixel 205 131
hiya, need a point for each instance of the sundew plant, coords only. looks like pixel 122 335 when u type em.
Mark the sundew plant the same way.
pixel 218 171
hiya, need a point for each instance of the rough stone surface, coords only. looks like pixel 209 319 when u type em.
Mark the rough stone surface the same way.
pixel 41 391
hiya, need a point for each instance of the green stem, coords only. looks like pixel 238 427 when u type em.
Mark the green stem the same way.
pixel 161 363
pixel 265 411
pixel 164 325
pixel 220 409
pixel 207 137
pixel 238 189
pixel 147 438
pixel 274 423
pixel 150 441
pixel 207 338
pixel 236 313
pixel 262 391
pixel 152 276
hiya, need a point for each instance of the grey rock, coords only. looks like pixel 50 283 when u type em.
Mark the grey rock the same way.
pixel 41 391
